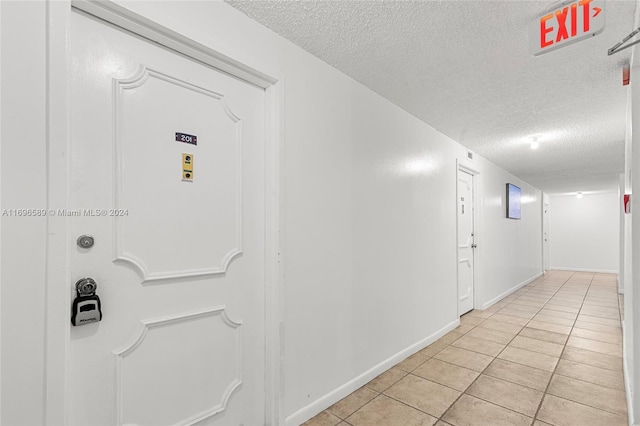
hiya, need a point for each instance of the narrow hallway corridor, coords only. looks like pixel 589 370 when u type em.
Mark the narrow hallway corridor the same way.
pixel 549 354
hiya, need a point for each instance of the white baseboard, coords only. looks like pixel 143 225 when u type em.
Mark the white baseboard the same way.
pixel 326 401
pixel 627 380
pixel 508 292
pixel 598 271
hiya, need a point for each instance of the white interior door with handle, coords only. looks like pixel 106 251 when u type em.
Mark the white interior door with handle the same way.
pixel 466 243
pixel 167 172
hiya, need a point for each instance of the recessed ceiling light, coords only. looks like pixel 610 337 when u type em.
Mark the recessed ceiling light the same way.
pixel 540 139
pixel 534 142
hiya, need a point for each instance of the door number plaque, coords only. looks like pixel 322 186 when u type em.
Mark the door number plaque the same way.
pixel 187 167
pixel 183 137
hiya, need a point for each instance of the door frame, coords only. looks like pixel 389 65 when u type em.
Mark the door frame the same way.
pixel 58 286
pixel 476 237
pixel 546 219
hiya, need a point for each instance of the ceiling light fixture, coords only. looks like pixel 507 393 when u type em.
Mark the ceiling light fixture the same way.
pixel 579 195
pixel 534 142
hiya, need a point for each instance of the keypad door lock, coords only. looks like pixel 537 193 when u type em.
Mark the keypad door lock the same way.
pixel 86 306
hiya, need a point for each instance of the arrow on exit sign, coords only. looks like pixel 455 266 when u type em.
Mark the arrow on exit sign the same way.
pixel 566 23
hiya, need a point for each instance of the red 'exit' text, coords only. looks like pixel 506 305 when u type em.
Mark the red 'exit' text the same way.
pixel 565 24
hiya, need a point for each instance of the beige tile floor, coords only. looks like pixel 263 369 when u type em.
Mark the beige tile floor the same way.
pixel 549 354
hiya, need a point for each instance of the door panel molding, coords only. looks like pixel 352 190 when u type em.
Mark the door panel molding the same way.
pixel 174 320
pixel 213 242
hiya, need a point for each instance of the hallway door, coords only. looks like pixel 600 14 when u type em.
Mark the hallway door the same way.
pixel 466 243
pixel 545 236
pixel 167 175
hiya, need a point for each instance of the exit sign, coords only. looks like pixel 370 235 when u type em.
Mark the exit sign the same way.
pixel 565 23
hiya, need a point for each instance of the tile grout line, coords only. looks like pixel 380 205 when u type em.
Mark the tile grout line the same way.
pixel 564 347
pixel 550 300
pixel 585 381
pixel 562 375
pixel 536 295
pixel 515 362
pixel 494 358
pixel 481 353
pixel 525 326
pixel 433 357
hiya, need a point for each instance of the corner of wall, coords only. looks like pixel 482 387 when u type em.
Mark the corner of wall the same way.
pixel 631 327
pixel 627 380
pixel 498 298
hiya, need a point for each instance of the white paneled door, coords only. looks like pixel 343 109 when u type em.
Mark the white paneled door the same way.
pixel 466 243
pixel 167 174
pixel 545 236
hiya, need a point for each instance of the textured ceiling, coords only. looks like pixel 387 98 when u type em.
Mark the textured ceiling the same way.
pixel 464 67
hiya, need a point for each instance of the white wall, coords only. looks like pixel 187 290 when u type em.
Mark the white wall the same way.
pixel 622 188
pixel 368 216
pixel 632 296
pixel 23 186
pixel 509 251
pixel 631 279
pixel 584 232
